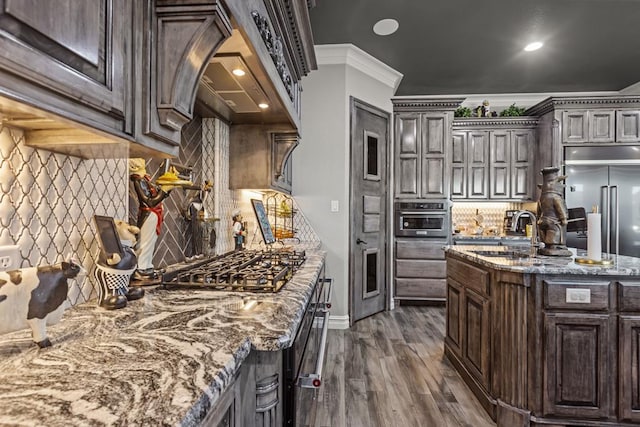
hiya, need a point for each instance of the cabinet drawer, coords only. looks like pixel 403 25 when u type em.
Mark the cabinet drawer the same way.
pixel 421 288
pixel 593 296
pixel 629 296
pixel 420 249
pixel 472 277
pixel 421 269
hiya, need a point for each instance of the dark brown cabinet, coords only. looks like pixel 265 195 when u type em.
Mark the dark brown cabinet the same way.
pixel 539 349
pixel 578 366
pixel 600 126
pixel 420 269
pixel 422 147
pixel 71 58
pixel 492 159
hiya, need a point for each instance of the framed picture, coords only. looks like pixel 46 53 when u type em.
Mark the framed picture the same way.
pixel 263 221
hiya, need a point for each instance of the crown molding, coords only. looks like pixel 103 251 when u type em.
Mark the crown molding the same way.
pixel 510 122
pixel 577 102
pixel 422 103
pixel 348 54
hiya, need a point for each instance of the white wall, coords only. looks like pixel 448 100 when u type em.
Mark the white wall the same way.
pixel 321 162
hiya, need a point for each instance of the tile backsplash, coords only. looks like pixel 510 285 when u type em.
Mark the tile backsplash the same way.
pixel 47 202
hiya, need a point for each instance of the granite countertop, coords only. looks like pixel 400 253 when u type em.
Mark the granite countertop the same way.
pixel 489 237
pixel 520 261
pixel 162 360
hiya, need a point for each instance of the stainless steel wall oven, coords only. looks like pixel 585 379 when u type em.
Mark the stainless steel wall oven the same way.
pixel 304 360
pixel 423 219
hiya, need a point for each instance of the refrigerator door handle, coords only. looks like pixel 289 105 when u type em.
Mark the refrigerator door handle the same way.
pixel 616 224
pixel 605 202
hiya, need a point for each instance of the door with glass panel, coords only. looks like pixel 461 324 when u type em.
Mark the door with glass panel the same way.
pixel 368 207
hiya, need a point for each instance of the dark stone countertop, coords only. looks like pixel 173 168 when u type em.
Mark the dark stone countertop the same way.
pixel 162 360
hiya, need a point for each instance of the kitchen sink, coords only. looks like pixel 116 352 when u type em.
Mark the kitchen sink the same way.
pixel 509 254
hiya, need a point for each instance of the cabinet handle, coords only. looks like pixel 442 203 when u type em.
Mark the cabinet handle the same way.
pixel 360 241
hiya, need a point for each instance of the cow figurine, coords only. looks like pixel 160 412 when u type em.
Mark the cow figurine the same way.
pixel 35 297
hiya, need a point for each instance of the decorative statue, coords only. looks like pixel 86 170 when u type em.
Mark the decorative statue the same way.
pixel 239 231
pixel 552 214
pixel 150 197
pixel 113 271
pixel 35 297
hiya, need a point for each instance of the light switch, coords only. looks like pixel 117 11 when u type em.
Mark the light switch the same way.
pixel 335 206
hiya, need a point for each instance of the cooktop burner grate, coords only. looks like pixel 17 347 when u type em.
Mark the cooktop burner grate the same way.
pixel 251 271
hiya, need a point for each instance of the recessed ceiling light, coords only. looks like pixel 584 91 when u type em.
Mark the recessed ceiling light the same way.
pixel 263 105
pixel 384 27
pixel 533 46
pixel 238 72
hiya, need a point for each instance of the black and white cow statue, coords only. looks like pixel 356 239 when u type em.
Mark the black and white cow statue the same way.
pixel 35 297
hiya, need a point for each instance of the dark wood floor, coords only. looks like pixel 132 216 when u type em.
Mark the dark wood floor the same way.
pixel 389 370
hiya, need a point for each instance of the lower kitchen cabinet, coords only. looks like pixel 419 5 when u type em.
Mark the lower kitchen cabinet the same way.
pixel 228 410
pixel 542 349
pixel 420 269
pixel 578 365
pixel 255 397
pixel 629 327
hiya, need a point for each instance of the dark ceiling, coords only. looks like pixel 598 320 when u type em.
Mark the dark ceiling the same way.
pixel 476 46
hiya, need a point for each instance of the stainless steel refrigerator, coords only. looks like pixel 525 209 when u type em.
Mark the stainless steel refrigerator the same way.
pixel 609 178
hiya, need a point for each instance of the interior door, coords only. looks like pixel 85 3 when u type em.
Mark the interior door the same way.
pixel 368 194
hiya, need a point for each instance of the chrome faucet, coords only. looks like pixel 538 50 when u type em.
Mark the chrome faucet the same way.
pixel 534 228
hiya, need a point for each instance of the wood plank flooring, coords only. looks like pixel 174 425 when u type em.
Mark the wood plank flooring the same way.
pixel 389 370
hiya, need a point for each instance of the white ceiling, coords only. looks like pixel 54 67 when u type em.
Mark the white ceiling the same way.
pixel 476 46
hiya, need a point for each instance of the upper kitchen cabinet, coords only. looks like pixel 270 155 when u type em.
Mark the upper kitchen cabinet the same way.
pixel 67 59
pixel 422 147
pixel 259 157
pixel 82 77
pixel 491 158
pixel 592 120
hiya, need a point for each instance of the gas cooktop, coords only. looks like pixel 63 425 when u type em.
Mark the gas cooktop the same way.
pixel 249 270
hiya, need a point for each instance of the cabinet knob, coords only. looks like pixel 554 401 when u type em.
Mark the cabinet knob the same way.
pixel 359 241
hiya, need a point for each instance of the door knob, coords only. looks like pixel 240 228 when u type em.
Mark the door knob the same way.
pixel 359 241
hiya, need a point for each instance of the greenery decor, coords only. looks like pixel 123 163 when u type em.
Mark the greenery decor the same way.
pixel 462 112
pixel 513 111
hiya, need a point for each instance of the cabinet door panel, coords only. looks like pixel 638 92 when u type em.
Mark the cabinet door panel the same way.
pixel 76 48
pixel 407 131
pixel 454 313
pixel 406 155
pixel 521 182
pixel 575 126
pixel 459 165
pixel 500 159
pixel 629 376
pixel 577 367
pixel 476 347
pixel 406 177
pixel 601 126
pixel 628 126
pixel 433 177
pixel 434 134
pixel 478 164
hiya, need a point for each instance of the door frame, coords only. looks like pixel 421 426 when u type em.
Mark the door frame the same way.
pixel 386 170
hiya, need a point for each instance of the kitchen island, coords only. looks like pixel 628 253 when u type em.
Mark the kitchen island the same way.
pixel 545 340
pixel 167 359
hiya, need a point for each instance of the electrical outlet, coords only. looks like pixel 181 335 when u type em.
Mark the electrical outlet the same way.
pixel 9 258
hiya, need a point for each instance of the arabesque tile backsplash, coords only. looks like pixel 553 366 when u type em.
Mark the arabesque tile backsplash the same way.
pixel 48 200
